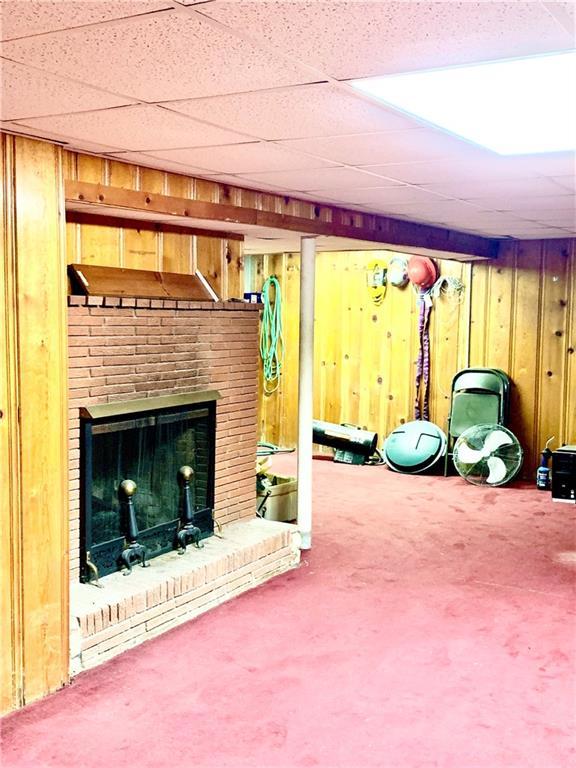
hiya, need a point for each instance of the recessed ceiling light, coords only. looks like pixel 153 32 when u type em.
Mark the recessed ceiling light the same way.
pixel 513 107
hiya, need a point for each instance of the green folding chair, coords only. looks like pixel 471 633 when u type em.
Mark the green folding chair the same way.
pixel 479 396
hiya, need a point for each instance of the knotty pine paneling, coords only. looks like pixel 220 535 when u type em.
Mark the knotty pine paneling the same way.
pixel 518 313
pixel 220 260
pixel 524 322
pixel 364 356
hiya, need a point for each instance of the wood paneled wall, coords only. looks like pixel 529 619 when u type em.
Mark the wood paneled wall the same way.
pixel 518 313
pixel 33 428
pixel 219 259
pixel 364 354
pixel 523 320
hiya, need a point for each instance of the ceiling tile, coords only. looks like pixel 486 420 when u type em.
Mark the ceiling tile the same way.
pixel 537 234
pixel 556 217
pixel 565 14
pixel 86 146
pixel 318 197
pixel 142 127
pixel 164 56
pixel 377 148
pixel 27 92
pixel 470 167
pixel 242 181
pixel 552 164
pixel 466 190
pixel 319 178
pixel 566 182
pixel 141 158
pixel 35 17
pixel 568 222
pixel 383 37
pixel 384 195
pixel 244 158
pixel 481 220
pixel 518 204
pixel 297 112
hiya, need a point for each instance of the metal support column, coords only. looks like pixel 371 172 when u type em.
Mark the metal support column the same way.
pixel 306 389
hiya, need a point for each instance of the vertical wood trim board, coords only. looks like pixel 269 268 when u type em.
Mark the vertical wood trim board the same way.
pixel 39 525
pixel 11 679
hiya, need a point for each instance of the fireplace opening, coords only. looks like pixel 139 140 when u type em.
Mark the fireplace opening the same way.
pixel 147 480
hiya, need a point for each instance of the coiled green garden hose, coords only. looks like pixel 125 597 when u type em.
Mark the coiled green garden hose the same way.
pixel 271 339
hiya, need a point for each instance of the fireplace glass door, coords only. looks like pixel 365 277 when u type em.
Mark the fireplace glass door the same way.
pixel 148 449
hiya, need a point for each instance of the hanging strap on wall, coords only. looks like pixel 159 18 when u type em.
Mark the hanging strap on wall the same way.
pixel 271 339
pixel 423 363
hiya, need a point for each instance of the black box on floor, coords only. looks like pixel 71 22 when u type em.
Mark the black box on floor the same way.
pixel 564 474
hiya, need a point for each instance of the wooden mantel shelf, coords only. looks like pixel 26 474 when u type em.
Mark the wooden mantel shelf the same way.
pixel 328 220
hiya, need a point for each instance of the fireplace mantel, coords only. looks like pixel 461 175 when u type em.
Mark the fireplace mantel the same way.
pixel 147 404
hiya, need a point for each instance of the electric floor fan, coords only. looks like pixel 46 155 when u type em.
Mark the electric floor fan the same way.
pixel 487 454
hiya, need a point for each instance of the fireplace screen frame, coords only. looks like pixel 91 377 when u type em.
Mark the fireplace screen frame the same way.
pixel 95 558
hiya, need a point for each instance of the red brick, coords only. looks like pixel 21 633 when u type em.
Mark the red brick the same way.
pixel 112 390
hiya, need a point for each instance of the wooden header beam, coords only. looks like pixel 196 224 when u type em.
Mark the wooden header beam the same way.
pixel 103 220
pixel 328 220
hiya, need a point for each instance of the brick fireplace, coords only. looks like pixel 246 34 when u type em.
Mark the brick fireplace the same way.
pixel 123 350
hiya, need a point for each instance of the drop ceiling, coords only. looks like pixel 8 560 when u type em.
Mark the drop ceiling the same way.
pixel 255 93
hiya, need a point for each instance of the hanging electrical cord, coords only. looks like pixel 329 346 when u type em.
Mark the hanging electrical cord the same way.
pixel 271 339
pixel 450 287
pixel 452 290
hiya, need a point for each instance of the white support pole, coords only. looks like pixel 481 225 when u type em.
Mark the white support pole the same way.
pixel 306 389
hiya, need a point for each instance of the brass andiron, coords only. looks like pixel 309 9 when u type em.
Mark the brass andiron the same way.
pixel 134 551
pixel 93 578
pixel 188 532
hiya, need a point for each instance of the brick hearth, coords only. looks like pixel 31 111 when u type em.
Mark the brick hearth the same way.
pixel 106 622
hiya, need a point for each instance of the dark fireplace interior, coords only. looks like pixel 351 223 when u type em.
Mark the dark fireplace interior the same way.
pixel 165 446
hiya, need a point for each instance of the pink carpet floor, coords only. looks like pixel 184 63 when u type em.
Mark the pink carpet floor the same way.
pixel 431 625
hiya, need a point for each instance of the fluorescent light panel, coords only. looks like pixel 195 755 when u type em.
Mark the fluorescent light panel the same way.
pixel 513 107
